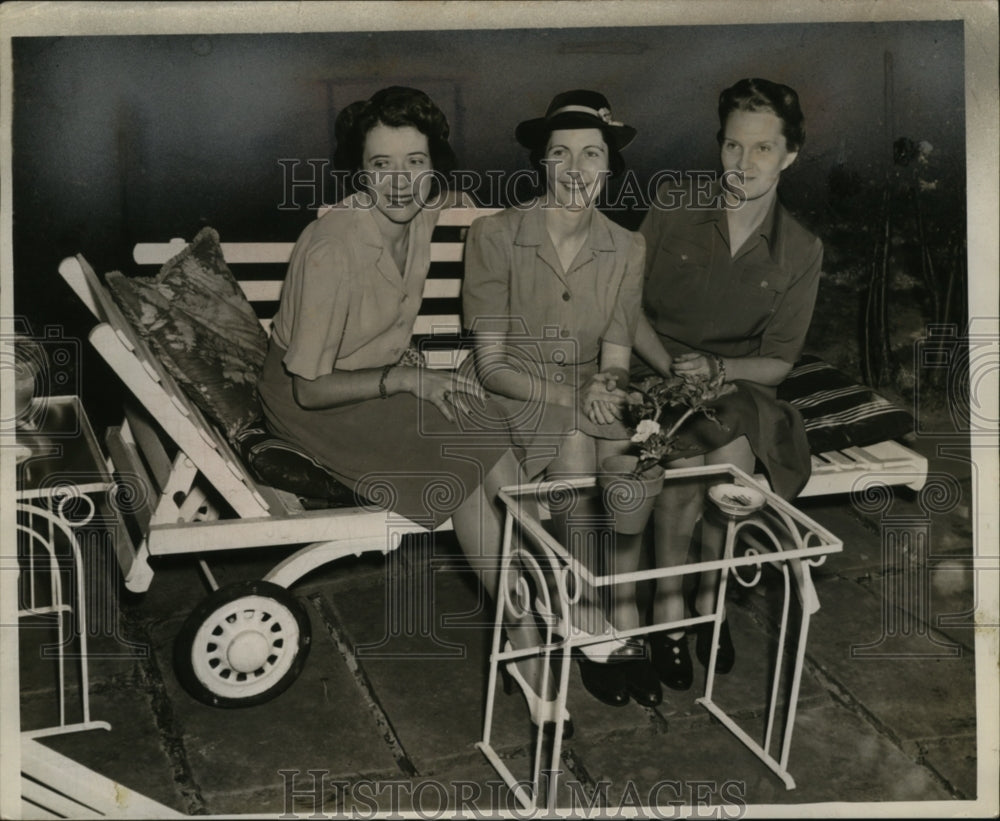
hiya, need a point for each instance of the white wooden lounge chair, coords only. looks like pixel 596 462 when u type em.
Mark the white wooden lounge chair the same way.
pixel 55 786
pixel 182 515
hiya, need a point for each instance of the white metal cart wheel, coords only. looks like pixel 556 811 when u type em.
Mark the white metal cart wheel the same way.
pixel 243 645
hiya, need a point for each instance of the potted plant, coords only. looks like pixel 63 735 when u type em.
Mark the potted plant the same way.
pixel 632 482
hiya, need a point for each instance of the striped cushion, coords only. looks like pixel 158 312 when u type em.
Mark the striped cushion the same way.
pixel 838 412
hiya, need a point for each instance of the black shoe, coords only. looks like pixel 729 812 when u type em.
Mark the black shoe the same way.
pixel 725 657
pixel 605 682
pixel 643 682
pixel 672 660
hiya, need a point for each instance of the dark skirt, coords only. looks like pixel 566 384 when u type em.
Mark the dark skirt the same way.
pixel 399 453
pixel 774 428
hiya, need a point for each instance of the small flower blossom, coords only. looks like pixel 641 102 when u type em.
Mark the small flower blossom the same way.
pixel 645 429
pixel 647 401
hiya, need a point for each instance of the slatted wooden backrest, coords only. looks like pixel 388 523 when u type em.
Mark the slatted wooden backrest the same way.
pixel 259 267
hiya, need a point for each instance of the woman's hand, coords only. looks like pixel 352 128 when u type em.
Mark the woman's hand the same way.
pixel 764 370
pixel 601 399
pixel 694 364
pixel 448 391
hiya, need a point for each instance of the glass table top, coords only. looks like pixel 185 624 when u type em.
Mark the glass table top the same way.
pixel 59 447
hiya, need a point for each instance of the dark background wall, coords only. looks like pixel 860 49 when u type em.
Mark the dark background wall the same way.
pixel 125 139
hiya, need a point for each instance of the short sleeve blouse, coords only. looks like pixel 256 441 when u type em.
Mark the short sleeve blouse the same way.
pixel 515 284
pixel 696 294
pixel 344 303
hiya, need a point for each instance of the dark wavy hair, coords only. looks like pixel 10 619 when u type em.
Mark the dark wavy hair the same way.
pixel 763 95
pixel 396 106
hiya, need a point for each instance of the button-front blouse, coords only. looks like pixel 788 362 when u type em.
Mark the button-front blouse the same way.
pixel 515 284
pixel 345 304
pixel 699 296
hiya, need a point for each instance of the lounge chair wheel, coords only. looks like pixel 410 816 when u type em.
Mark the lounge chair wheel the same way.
pixel 243 645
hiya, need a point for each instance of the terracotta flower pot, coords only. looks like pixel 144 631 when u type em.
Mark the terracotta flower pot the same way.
pixel 628 499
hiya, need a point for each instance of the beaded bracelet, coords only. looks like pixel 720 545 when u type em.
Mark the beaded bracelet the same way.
pixel 382 392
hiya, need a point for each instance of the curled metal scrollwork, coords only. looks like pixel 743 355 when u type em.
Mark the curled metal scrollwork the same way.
pixel 755 524
pixel 526 590
pixel 813 561
pixel 71 505
pixel 758 570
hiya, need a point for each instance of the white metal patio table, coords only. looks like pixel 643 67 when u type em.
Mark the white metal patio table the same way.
pixel 540 576
pixel 62 468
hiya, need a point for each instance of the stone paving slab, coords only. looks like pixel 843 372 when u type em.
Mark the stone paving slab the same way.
pixel 419 690
pixel 425 672
pixel 834 757
pixel 40 709
pixel 468 787
pixel 747 688
pixel 953 759
pixel 863 535
pixel 177 586
pixel 939 595
pixel 39 672
pixel 838 756
pixel 862 553
pixel 110 654
pixel 131 752
pixel 896 677
pixel 451 689
pixel 954 595
pixel 38 639
pixel 873 721
pixel 320 722
pixel 465 788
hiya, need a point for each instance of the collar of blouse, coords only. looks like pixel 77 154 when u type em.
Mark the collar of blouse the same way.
pixel 532 231
pixel 769 229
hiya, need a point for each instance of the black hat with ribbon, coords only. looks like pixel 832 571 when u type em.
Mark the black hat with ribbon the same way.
pixel 575 109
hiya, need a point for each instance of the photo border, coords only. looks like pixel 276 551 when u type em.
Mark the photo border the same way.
pixel 982 152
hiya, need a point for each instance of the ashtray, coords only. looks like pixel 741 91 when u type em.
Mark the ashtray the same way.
pixel 737 500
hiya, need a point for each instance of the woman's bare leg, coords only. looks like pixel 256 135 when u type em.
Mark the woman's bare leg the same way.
pixel 736 453
pixel 478 526
pixel 675 515
pixel 579 527
pixel 625 555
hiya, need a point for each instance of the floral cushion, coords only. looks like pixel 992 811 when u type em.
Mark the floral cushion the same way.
pixel 838 412
pixel 198 322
